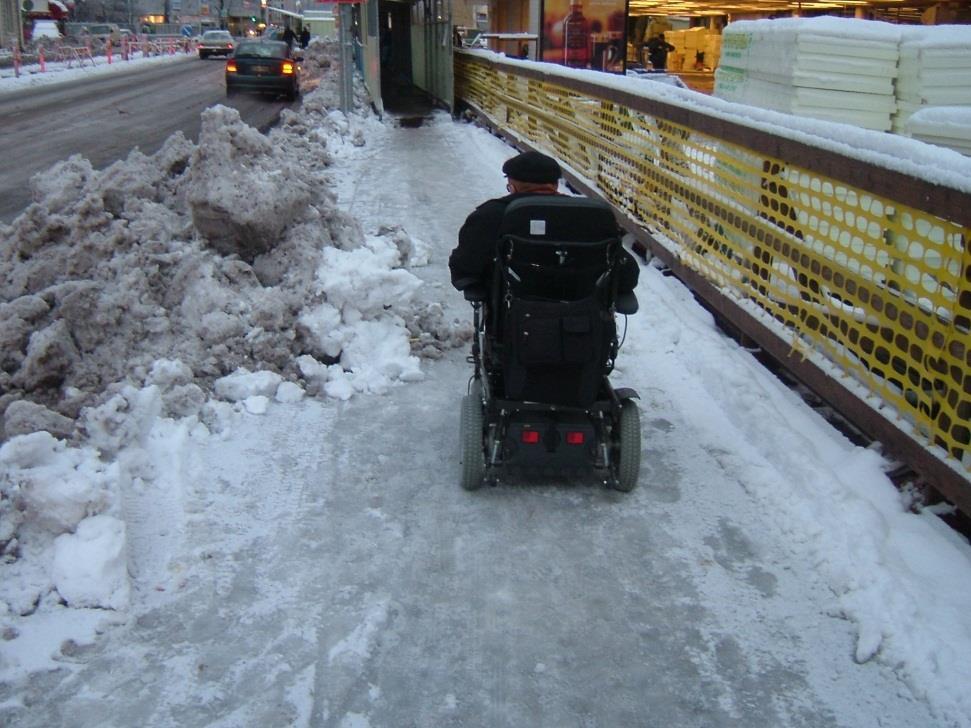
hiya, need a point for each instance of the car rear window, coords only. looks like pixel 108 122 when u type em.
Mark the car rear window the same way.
pixel 262 50
pixel 216 35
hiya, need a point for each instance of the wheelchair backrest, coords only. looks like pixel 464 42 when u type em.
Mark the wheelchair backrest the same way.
pixel 553 298
pixel 557 247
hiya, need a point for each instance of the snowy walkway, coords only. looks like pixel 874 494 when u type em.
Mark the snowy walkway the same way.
pixel 318 565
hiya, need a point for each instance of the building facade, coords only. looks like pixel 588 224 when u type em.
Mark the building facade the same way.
pixel 10 31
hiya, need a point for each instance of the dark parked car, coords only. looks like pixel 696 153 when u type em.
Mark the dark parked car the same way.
pixel 264 66
pixel 215 43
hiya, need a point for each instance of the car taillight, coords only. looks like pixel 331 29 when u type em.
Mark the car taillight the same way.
pixel 230 66
pixel 287 68
pixel 530 437
pixel 574 438
pixel 230 46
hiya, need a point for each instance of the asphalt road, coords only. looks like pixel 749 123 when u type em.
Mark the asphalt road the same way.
pixel 106 117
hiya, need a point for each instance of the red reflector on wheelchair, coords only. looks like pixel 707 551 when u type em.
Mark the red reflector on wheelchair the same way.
pixel 574 438
pixel 530 437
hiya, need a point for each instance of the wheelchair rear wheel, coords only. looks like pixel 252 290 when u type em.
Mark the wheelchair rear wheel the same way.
pixel 471 436
pixel 627 447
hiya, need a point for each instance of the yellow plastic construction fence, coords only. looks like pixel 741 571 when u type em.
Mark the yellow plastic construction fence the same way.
pixel 859 264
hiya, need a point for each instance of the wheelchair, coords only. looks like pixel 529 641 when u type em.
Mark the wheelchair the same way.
pixel 545 341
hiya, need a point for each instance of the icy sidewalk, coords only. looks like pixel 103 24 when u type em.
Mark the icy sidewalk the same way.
pixel 731 445
pixel 315 563
pixel 425 179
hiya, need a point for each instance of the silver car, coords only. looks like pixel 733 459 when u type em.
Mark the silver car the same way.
pixel 216 43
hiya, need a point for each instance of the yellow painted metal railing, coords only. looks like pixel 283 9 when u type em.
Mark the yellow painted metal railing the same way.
pixel 855 266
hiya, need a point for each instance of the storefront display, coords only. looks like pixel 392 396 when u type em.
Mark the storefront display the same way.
pixel 585 33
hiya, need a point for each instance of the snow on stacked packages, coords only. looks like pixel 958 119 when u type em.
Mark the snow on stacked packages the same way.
pixel 935 70
pixel 946 126
pixel 838 69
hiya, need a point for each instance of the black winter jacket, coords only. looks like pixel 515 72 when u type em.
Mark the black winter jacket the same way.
pixel 473 259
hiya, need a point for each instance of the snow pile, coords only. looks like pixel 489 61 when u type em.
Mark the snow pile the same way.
pixel 316 61
pixel 49 495
pixel 839 69
pixel 239 203
pixel 223 269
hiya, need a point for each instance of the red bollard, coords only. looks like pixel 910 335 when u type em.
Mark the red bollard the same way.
pixel 40 58
pixel 108 50
pixel 16 60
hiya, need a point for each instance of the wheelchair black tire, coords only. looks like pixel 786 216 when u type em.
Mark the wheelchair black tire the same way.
pixel 627 440
pixel 471 433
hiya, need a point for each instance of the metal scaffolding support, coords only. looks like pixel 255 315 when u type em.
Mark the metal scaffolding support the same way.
pixel 346 40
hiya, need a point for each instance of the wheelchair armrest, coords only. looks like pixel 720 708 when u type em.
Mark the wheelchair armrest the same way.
pixel 472 288
pixel 626 303
pixel 475 293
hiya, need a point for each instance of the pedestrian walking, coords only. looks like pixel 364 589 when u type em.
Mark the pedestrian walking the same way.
pixel 289 37
pixel 657 51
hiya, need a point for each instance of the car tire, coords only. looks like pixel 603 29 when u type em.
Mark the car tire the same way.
pixel 202 56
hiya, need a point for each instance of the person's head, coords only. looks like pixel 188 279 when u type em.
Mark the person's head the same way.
pixel 532 172
pixel 661 36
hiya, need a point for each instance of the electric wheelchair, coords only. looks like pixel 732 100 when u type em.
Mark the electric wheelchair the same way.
pixel 545 341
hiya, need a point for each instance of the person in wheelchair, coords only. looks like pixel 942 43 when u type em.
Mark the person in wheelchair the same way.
pixel 473 259
pixel 545 274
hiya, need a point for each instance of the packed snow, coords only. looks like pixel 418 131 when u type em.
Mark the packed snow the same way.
pixel 228 480
pixel 139 291
pixel 58 72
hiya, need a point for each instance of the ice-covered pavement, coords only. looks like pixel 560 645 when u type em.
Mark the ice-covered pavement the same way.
pixel 296 549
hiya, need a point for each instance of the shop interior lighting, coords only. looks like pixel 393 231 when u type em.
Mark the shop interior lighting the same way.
pixel 689 8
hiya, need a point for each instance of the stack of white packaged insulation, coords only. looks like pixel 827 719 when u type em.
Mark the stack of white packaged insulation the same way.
pixel 689 43
pixel 838 69
pixel 934 70
pixel 945 126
